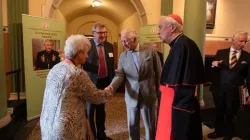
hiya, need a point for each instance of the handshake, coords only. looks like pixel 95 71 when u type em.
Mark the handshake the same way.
pixel 109 89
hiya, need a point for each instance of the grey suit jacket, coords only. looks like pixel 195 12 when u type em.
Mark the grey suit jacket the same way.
pixel 144 81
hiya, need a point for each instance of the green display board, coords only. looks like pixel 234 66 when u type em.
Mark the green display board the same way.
pixel 39 35
pixel 149 36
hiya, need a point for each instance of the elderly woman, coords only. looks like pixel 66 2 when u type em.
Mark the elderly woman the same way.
pixel 67 90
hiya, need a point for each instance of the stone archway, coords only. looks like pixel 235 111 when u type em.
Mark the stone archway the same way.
pixel 141 11
pixel 49 9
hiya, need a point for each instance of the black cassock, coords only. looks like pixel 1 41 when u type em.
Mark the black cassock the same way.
pixel 183 71
pixel 48 59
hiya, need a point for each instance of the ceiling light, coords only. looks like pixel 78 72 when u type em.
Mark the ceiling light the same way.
pixel 96 3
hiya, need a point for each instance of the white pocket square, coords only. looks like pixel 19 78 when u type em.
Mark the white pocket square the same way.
pixel 147 58
pixel 243 62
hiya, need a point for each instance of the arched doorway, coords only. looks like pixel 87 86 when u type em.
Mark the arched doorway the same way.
pixel 51 5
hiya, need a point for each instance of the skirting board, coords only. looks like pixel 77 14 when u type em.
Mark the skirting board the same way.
pixel 34 117
pixel 5 120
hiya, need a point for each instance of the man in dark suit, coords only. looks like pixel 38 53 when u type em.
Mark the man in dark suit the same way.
pixel 231 69
pixel 47 58
pixel 100 68
pixel 156 47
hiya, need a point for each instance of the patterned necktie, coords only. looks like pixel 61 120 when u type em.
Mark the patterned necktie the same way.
pixel 233 60
pixel 102 66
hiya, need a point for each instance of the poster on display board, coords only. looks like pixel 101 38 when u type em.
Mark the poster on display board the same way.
pixel 149 36
pixel 42 40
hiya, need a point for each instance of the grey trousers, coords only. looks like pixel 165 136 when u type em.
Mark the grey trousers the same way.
pixel 148 113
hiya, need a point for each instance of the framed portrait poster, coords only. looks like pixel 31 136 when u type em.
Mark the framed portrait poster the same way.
pixel 210 14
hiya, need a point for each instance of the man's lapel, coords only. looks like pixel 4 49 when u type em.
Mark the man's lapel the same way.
pixel 106 52
pixel 226 57
pixel 141 57
pixel 131 60
pixel 94 50
pixel 241 58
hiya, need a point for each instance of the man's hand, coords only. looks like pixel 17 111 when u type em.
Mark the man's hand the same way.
pixel 43 58
pixel 109 88
pixel 216 63
pixel 202 103
pixel 53 58
pixel 61 54
pixel 248 101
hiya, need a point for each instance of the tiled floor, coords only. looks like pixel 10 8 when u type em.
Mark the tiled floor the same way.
pixel 206 130
pixel 208 98
pixel 25 130
pixel 116 123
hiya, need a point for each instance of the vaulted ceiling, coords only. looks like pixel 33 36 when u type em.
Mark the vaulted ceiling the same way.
pixel 114 10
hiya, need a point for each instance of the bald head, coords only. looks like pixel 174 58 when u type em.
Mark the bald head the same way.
pixel 240 40
pixel 236 35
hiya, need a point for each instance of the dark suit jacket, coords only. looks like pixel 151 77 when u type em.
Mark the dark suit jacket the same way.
pixel 228 78
pixel 161 57
pixel 91 65
pixel 48 64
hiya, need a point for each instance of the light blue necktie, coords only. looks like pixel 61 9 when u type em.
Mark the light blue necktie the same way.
pixel 135 59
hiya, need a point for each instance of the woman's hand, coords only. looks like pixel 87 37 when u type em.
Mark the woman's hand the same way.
pixel 61 54
pixel 109 88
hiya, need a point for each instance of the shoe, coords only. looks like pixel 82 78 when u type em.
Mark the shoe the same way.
pixel 213 135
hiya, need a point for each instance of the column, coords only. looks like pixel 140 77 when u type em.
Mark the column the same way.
pixel 166 9
pixel 4 116
pixel 15 10
pixel 195 28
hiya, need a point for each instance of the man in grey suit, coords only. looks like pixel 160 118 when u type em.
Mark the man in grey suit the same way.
pixel 140 68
